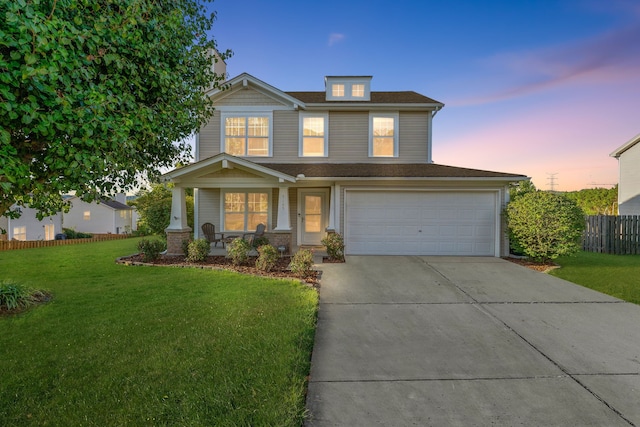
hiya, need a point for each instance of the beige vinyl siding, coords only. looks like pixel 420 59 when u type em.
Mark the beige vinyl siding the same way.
pixel 209 138
pixel 246 97
pixel 348 137
pixel 285 137
pixel 414 131
pixel 209 208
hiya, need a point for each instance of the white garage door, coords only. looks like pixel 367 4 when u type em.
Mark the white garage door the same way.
pixel 420 223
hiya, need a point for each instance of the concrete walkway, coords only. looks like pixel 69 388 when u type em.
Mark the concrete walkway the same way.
pixel 445 341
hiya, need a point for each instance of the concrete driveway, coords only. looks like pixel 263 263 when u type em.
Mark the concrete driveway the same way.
pixel 447 341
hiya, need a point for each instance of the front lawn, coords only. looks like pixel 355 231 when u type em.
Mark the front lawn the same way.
pixel 615 275
pixel 122 345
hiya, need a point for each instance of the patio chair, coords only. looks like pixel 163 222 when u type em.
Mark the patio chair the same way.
pixel 210 234
pixel 250 237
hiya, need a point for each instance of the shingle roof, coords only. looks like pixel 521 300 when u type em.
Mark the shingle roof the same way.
pixel 403 97
pixel 115 204
pixel 368 170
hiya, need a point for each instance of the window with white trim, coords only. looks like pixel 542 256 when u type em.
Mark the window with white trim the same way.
pixel 86 215
pixel 383 135
pixel 357 90
pixel 313 135
pixel 246 135
pixel 49 231
pixel 20 233
pixel 244 210
pixel 337 90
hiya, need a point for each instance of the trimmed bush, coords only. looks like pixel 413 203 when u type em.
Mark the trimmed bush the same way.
pixel 267 258
pixel 301 263
pixel 198 250
pixel 70 233
pixel 238 251
pixel 545 225
pixel 260 241
pixel 151 249
pixel 335 246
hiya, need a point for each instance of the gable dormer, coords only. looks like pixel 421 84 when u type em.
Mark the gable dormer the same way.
pixel 348 88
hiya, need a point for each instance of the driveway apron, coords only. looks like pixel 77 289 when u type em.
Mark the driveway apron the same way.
pixel 452 341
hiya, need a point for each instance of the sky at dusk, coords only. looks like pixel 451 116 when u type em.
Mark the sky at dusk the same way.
pixel 530 87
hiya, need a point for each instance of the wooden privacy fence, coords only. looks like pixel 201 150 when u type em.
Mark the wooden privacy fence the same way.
pixel 608 234
pixel 7 245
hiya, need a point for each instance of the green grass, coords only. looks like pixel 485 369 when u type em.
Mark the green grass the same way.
pixel 615 275
pixel 125 345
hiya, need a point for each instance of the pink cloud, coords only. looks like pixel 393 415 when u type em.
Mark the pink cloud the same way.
pixel 335 38
pixel 607 58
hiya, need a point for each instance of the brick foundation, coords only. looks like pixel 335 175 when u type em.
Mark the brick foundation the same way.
pixel 175 239
pixel 280 239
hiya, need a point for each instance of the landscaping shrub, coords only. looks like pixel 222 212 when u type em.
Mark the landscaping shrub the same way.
pixel 73 234
pixel 151 249
pixel 545 225
pixel 198 250
pixel 238 251
pixel 259 241
pixel 14 295
pixel 335 246
pixel 267 258
pixel 301 263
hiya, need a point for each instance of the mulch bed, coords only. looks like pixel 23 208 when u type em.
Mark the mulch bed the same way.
pixel 533 265
pixel 280 271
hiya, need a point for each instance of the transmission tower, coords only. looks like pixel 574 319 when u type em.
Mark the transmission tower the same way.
pixel 552 181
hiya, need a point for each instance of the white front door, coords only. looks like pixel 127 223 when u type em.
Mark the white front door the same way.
pixel 312 218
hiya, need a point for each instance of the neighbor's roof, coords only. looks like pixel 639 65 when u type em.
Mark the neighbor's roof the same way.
pixel 368 170
pixel 402 97
pixel 115 204
pixel 624 147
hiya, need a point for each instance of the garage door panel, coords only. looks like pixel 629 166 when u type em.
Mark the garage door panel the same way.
pixel 420 223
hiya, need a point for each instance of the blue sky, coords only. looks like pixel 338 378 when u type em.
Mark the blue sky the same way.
pixel 532 87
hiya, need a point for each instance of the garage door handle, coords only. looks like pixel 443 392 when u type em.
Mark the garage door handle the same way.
pixel 419 231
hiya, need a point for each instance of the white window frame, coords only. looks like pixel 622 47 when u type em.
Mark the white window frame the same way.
pixel 246 114
pixel 324 116
pixel 396 131
pixel 338 90
pixel 246 191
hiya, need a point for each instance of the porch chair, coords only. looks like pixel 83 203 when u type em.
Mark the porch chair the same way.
pixel 250 237
pixel 210 234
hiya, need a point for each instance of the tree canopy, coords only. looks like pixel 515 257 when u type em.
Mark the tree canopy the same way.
pixel 596 201
pixel 96 94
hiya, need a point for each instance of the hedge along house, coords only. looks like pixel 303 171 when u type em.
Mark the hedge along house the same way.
pixel 347 159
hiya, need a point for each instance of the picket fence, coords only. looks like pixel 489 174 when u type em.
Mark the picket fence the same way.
pixel 8 245
pixel 609 234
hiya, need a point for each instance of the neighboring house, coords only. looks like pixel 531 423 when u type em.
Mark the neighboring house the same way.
pixel 104 217
pixel 347 159
pixel 628 156
pixel 29 227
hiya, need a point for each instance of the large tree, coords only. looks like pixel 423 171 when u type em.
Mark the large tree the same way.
pixel 96 94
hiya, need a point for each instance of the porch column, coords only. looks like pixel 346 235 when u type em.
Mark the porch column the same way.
pixel 178 230
pixel 332 208
pixel 284 220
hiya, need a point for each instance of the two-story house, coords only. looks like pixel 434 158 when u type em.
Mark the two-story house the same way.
pixel 347 159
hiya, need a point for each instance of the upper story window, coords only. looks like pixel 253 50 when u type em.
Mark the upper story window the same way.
pixel 313 135
pixel 383 135
pixel 348 88
pixel 86 215
pixel 246 134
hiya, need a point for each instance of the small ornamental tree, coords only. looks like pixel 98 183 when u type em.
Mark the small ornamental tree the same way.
pixel 545 225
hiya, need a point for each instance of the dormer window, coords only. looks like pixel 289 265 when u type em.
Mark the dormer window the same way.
pixel 348 88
